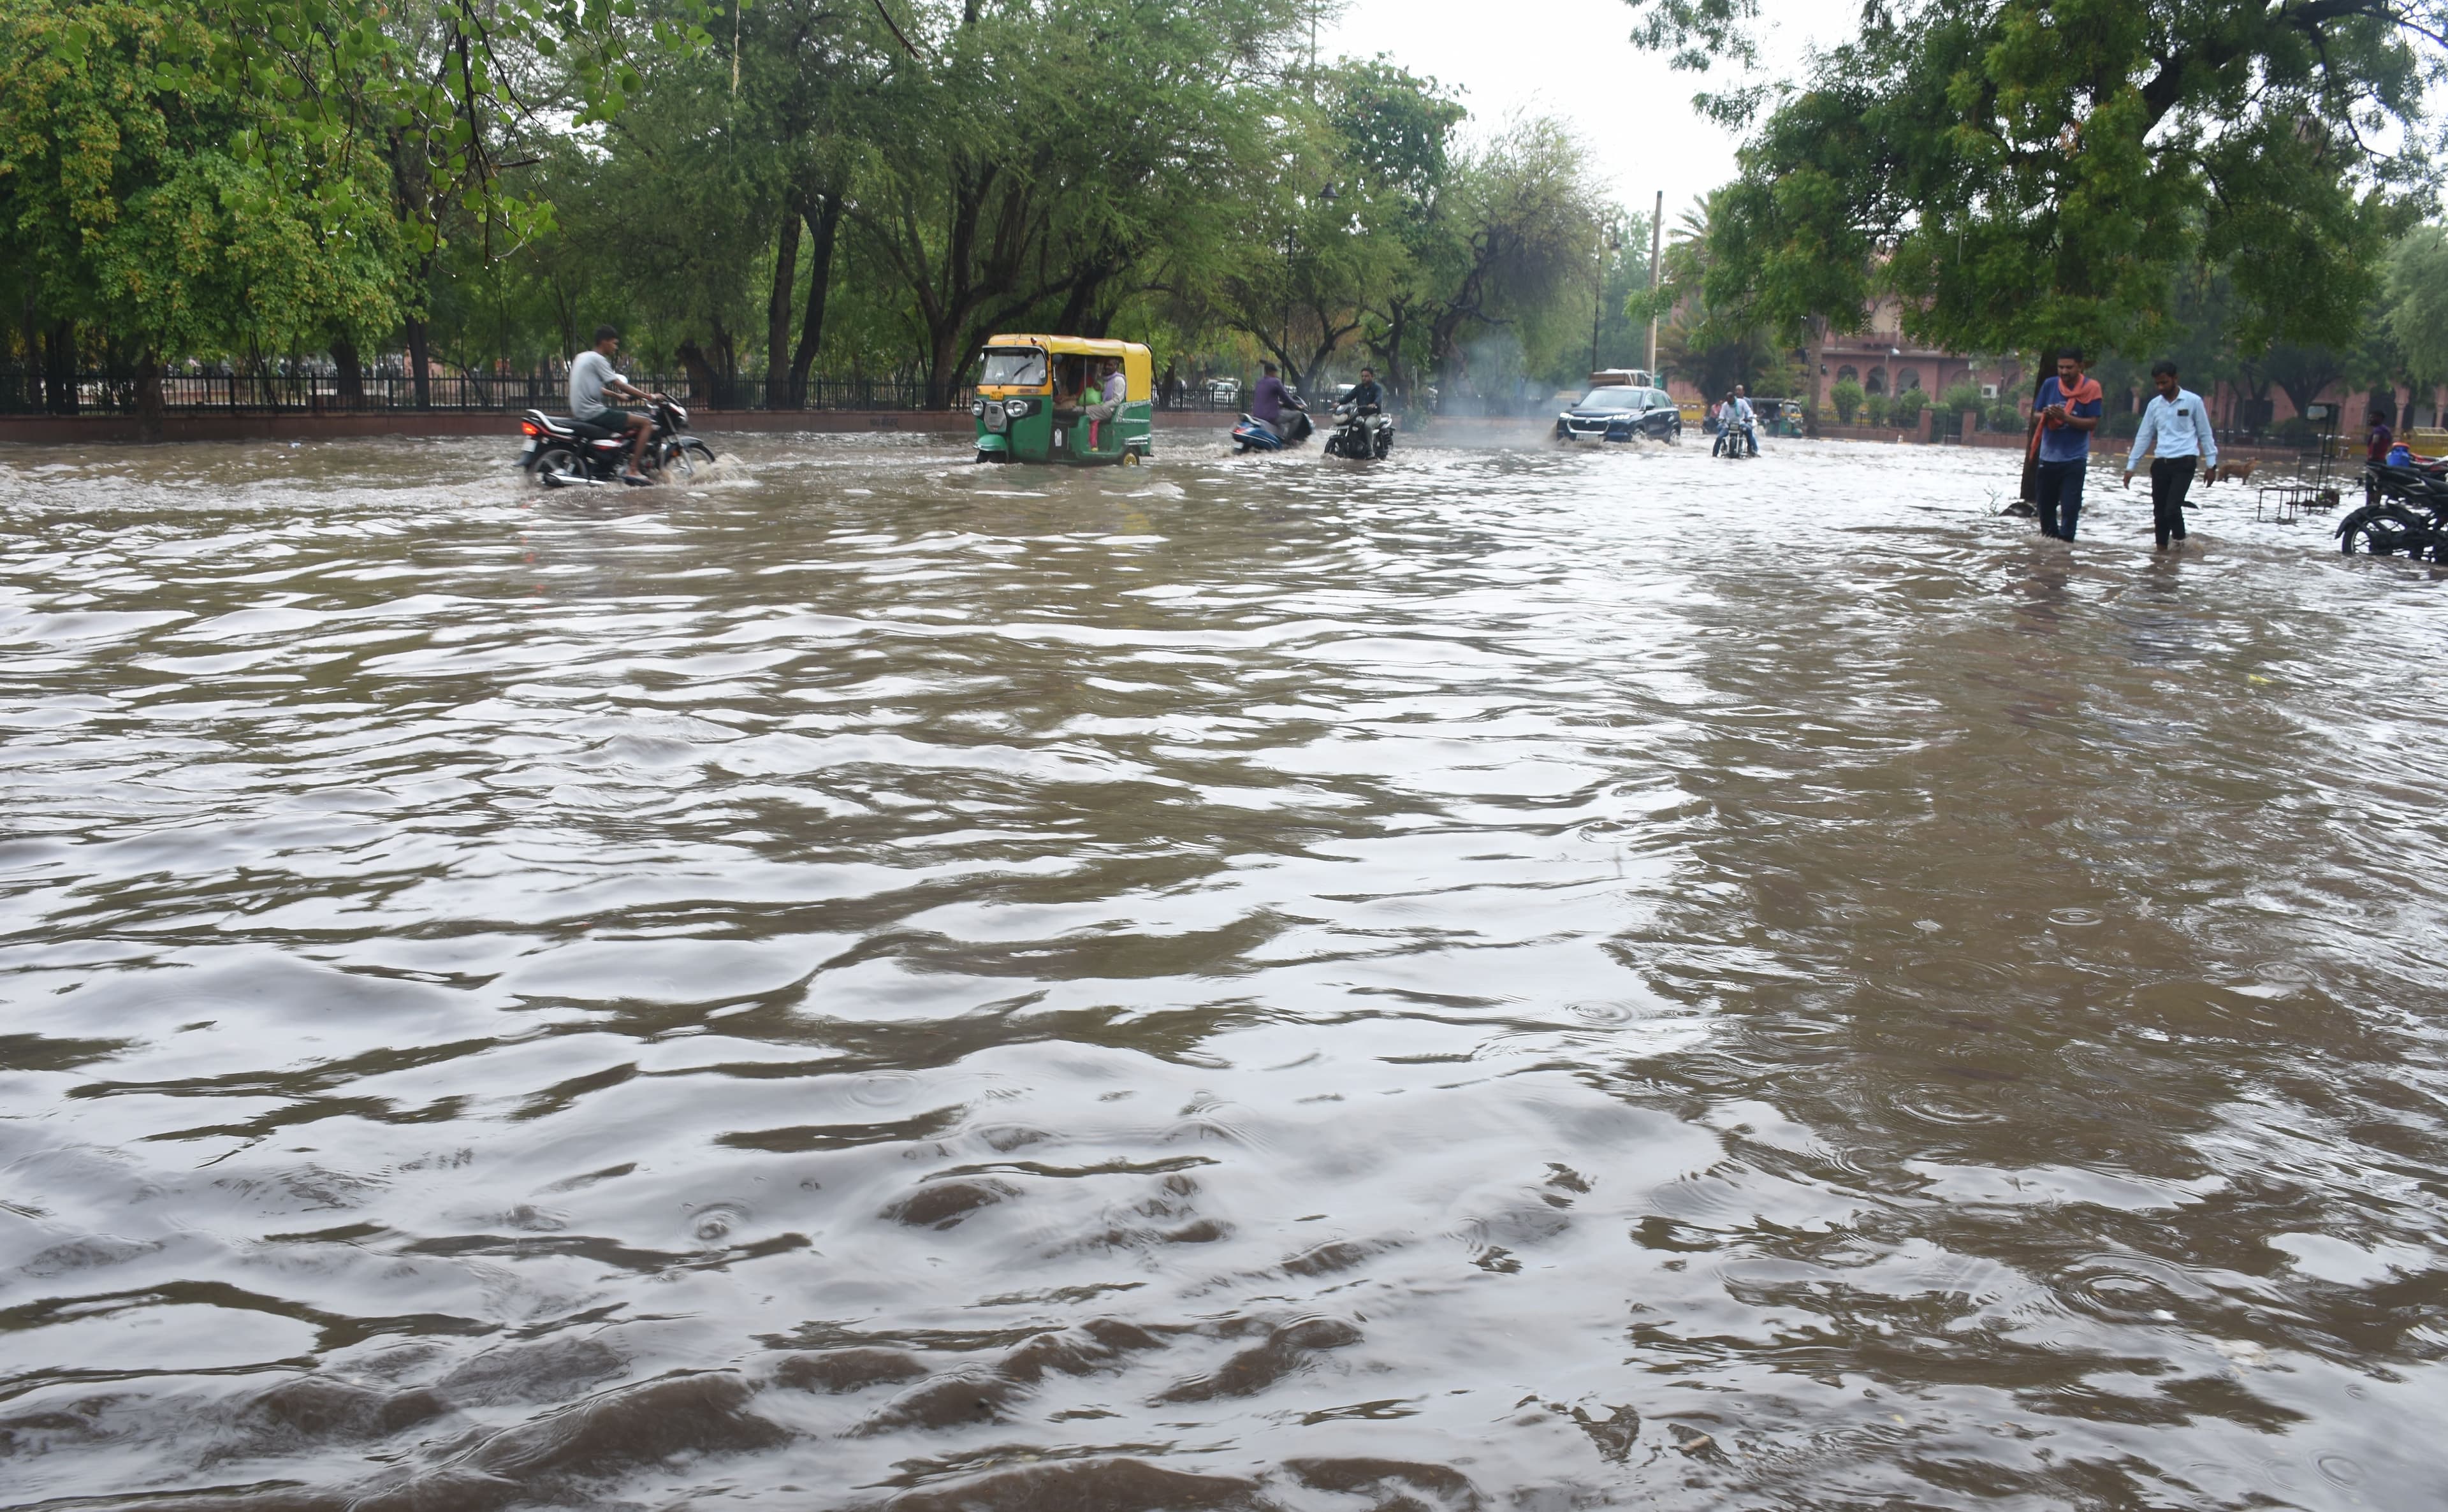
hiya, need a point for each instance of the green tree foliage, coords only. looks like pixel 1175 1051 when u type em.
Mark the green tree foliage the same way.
pixel 2417 304
pixel 2028 174
pixel 777 184
pixel 180 208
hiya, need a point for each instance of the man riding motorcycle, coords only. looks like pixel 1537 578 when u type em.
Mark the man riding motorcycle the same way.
pixel 1366 396
pixel 590 378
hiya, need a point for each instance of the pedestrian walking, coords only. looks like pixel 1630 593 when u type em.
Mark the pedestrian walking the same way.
pixel 2068 412
pixel 2375 448
pixel 2176 434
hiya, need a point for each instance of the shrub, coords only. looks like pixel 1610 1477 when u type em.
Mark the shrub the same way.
pixel 2004 417
pixel 1961 397
pixel 2122 427
pixel 1875 408
pixel 1846 397
pixel 1908 406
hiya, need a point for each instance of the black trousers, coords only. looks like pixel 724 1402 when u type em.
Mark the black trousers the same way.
pixel 2060 498
pixel 2170 477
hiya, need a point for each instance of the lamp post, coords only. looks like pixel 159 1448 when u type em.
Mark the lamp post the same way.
pixel 1598 301
pixel 1656 236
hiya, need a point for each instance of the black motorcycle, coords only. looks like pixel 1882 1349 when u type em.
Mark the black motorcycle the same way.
pixel 563 453
pixel 2407 515
pixel 1736 439
pixel 1363 436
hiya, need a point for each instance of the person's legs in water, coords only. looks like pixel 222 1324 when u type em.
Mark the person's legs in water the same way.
pixel 2050 484
pixel 2069 500
pixel 2168 484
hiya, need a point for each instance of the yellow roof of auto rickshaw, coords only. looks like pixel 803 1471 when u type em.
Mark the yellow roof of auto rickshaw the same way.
pixel 1139 365
pixel 1071 345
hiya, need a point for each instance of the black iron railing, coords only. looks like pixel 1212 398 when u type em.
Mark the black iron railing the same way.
pixel 23 392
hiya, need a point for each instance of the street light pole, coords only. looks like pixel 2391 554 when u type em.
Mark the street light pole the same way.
pixel 1656 237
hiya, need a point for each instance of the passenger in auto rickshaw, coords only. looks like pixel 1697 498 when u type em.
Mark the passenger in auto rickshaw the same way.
pixel 1071 388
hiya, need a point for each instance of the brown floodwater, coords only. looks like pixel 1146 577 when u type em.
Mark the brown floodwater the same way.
pixel 1503 979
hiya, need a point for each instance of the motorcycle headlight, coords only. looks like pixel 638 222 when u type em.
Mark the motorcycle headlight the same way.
pixel 1015 408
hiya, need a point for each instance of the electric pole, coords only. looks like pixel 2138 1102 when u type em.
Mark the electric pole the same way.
pixel 1656 239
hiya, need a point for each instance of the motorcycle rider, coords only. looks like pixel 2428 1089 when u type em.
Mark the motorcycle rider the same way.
pixel 590 378
pixel 1267 401
pixel 1736 419
pixel 1365 397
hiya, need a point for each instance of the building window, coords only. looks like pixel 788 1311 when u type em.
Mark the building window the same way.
pixel 1876 382
pixel 1907 379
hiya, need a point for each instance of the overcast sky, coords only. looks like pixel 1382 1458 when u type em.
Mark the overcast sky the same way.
pixel 1573 58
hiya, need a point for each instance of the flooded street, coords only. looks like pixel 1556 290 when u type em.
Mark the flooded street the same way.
pixel 1505 980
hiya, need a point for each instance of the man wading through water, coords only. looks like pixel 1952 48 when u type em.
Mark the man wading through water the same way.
pixel 2062 420
pixel 2176 431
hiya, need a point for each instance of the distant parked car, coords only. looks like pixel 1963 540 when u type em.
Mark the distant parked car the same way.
pixel 1224 391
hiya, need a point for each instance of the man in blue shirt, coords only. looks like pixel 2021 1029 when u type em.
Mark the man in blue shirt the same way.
pixel 2176 431
pixel 2069 407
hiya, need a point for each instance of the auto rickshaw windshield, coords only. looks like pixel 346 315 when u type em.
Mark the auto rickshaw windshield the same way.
pixel 1014 367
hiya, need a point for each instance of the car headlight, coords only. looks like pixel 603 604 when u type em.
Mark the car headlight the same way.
pixel 1015 408
pixel 979 409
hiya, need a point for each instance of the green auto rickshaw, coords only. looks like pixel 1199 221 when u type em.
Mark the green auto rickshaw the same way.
pixel 1038 401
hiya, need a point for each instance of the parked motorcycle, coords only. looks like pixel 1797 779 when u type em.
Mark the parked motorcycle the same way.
pixel 563 453
pixel 1361 434
pixel 1254 435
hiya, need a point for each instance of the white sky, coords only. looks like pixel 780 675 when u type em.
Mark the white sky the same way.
pixel 1573 58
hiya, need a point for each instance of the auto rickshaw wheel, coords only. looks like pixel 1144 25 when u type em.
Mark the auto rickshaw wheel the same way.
pixel 1130 459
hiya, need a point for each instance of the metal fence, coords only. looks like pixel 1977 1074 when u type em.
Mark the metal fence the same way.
pixel 32 391
pixel 25 390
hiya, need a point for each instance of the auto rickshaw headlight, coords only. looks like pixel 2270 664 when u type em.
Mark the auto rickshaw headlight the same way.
pixel 979 409
pixel 1015 408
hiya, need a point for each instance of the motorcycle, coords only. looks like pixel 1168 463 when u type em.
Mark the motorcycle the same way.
pixel 1364 435
pixel 1735 438
pixel 563 454
pixel 1253 435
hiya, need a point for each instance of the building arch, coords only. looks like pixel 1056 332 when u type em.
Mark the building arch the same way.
pixel 1876 382
pixel 1847 374
pixel 1907 379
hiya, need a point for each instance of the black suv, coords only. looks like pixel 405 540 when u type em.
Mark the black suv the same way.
pixel 1621 413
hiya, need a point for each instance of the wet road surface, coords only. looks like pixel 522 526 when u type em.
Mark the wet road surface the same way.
pixel 1506 979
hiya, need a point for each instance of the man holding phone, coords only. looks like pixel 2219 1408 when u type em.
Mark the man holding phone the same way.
pixel 2066 414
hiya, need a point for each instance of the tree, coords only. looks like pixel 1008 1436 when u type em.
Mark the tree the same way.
pixel 2029 174
pixel 1055 159
pixel 147 195
pixel 2416 303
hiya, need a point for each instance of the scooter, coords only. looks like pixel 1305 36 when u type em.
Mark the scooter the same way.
pixel 563 453
pixel 1253 435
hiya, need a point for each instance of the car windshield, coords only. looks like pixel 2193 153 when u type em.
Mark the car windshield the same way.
pixel 1014 367
pixel 1614 399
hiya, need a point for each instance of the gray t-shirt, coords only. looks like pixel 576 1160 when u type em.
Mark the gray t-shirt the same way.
pixel 588 377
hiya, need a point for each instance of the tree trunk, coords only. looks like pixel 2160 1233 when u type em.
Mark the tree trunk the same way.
pixel 414 331
pixel 148 396
pixel 60 365
pixel 820 279
pixel 352 377
pixel 30 336
pixel 777 306
pixel 700 371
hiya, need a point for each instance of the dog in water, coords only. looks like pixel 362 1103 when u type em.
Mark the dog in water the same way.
pixel 2231 472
